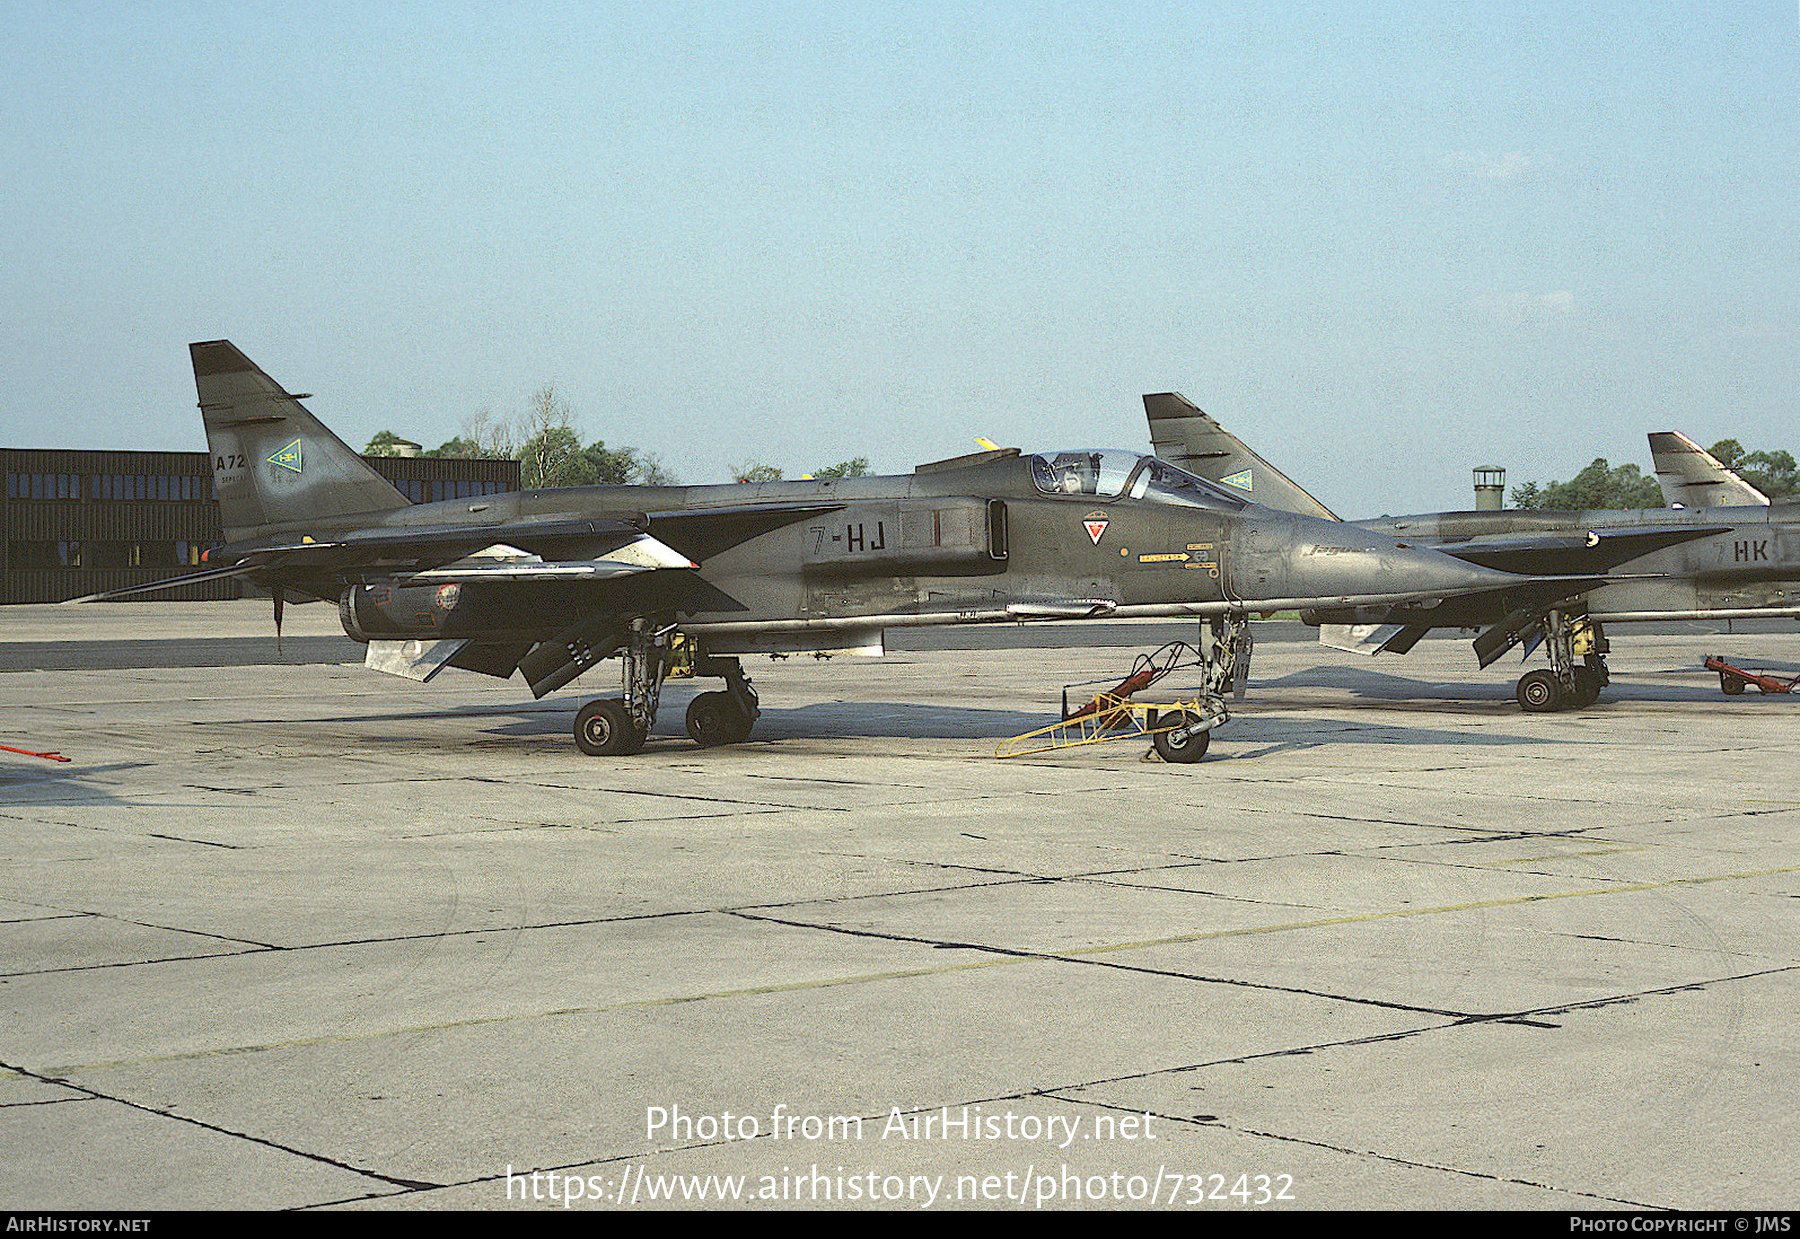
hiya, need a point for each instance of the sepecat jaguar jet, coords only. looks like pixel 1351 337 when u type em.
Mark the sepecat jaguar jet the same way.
pixel 1726 553
pixel 549 583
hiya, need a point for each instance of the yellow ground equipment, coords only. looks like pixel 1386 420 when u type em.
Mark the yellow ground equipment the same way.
pixel 1179 731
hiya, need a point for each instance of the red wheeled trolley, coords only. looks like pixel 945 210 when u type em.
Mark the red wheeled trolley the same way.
pixel 1734 680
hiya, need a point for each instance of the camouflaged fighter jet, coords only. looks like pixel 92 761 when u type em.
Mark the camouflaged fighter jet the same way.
pixel 1730 554
pixel 549 583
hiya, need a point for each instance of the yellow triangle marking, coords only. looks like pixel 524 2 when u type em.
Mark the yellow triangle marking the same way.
pixel 288 457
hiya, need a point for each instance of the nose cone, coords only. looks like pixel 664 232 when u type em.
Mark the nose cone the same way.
pixel 1300 558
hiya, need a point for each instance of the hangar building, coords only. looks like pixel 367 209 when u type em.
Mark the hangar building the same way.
pixel 82 522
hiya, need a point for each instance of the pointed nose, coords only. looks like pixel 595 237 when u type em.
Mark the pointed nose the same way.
pixel 1332 560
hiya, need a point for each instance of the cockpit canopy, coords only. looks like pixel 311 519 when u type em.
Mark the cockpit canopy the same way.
pixel 1110 473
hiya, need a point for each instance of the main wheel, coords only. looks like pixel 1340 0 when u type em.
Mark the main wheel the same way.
pixel 1730 685
pixel 1540 692
pixel 1587 688
pixel 1190 749
pixel 605 729
pixel 714 718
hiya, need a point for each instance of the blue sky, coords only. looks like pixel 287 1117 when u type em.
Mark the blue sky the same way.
pixel 1383 243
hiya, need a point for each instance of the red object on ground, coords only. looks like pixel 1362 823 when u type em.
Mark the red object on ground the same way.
pixel 29 753
pixel 1733 680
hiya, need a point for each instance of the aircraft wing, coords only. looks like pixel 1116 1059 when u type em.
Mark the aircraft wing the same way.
pixel 431 546
pixel 1583 552
pixel 613 544
pixel 587 550
pixel 701 533
pixel 503 562
pixel 192 578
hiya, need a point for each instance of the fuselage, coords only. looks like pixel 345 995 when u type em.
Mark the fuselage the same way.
pixel 1748 564
pixel 994 537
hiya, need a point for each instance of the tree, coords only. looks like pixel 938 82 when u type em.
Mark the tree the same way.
pixel 1595 487
pixel 650 471
pixel 755 471
pixel 547 457
pixel 547 444
pixel 482 438
pixel 602 466
pixel 552 457
pixel 386 443
pixel 1773 473
pixel 856 468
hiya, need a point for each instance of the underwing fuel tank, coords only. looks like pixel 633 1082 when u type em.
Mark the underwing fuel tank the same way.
pixel 1283 556
pixel 479 612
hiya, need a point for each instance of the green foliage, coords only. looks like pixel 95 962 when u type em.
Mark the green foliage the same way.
pixel 856 468
pixel 482 438
pixel 603 466
pixel 386 443
pixel 1773 473
pixel 755 471
pixel 547 445
pixel 458 448
pixel 555 457
pixel 650 471
pixel 552 457
pixel 1598 486
pixel 475 447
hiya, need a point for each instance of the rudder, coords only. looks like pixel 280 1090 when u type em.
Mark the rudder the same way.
pixel 274 463
pixel 1184 436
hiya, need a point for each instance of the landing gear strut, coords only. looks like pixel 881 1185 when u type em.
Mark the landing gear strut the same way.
pixel 1227 667
pixel 1577 650
pixel 617 726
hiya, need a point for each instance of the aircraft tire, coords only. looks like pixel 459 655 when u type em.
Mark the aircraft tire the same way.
pixel 604 729
pixel 1587 689
pixel 714 719
pixel 1181 751
pixel 1540 692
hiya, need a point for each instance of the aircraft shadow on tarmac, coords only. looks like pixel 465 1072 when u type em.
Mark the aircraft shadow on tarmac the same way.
pixel 26 781
pixel 1266 720
pixel 1269 733
pixel 822 721
pixel 1381 690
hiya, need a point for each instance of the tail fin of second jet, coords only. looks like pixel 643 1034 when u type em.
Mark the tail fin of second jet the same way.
pixel 1693 477
pixel 275 464
pixel 1182 435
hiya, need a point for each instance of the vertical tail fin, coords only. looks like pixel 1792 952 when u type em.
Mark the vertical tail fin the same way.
pixel 275 463
pixel 1693 477
pixel 1182 435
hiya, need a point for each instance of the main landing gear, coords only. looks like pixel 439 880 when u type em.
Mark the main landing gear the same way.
pixel 618 726
pixel 1577 650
